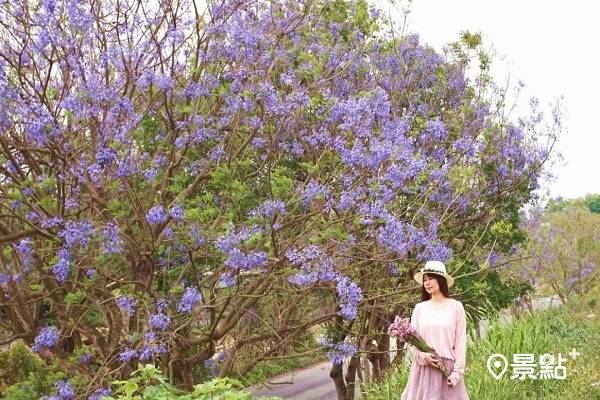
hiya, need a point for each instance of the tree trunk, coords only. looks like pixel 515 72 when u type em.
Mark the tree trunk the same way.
pixel 337 375
pixel 351 377
pixel 383 346
pixel 374 358
pixel 365 370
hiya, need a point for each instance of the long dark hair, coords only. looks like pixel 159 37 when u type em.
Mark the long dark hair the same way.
pixel 443 287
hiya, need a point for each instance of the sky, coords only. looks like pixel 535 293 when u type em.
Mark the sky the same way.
pixel 552 46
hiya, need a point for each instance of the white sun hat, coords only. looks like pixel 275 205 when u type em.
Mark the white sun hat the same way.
pixel 434 267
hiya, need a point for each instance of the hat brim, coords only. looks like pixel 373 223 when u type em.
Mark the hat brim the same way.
pixel 419 277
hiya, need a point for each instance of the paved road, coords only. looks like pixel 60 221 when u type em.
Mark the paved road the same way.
pixel 311 383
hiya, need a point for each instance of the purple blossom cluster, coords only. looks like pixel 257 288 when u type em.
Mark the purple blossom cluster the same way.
pixel 227 280
pixel 151 350
pixel 161 322
pixel 236 258
pixel 196 237
pixel 350 295
pixel 99 393
pixel 316 266
pixel 51 222
pixel 191 297
pixel 64 391
pixel 312 191
pixel 128 355
pixel 214 363
pixel 338 351
pixel 126 168
pixel 62 268
pixel 269 208
pixel 47 338
pixel 176 212
pixel 105 156
pixel 156 215
pixel 85 358
pixel 77 233
pixel 25 252
pixel 126 303
pixel 111 239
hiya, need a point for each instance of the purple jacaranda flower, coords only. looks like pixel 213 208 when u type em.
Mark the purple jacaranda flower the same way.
pixel 313 190
pixel 62 268
pixel 191 297
pixel 338 351
pixel 126 303
pixel 71 203
pixel 46 339
pixel 127 355
pixel 148 351
pixel 176 211
pixel 25 252
pixel 269 208
pixel 65 391
pixel 150 174
pixel 126 168
pixel 349 294
pixel 214 363
pixel 156 215
pixel 95 172
pixel 111 239
pixel 227 280
pixel 159 322
pixel 105 156
pixel 77 232
pixel 85 358
pixel 102 392
pixel 51 222
pixel 238 259
pixel 315 266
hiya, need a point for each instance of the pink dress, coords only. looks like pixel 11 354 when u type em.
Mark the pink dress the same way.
pixel 443 327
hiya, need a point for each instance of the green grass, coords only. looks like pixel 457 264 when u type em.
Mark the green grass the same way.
pixel 552 331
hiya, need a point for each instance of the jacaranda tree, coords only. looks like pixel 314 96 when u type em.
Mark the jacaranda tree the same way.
pixel 198 184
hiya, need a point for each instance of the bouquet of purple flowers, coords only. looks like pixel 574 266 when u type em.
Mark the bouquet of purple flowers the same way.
pixel 405 332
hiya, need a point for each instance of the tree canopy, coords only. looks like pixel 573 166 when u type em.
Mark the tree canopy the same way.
pixel 198 184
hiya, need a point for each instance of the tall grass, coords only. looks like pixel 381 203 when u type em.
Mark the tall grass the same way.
pixel 552 331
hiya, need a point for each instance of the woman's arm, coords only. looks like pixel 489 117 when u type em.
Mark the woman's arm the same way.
pixel 460 346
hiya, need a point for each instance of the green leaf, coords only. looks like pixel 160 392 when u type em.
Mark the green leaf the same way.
pixel 75 297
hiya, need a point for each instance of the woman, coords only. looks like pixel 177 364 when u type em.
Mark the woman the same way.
pixel 440 321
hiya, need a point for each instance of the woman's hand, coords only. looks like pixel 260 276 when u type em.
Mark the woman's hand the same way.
pixel 431 360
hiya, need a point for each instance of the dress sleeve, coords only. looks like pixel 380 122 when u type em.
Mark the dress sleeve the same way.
pixel 417 354
pixel 460 346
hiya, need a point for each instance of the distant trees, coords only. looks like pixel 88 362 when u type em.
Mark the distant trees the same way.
pixel 565 246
